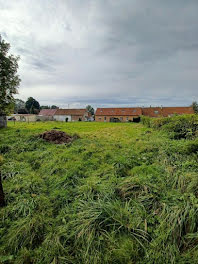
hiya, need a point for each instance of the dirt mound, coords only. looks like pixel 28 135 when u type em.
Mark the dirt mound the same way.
pixel 57 137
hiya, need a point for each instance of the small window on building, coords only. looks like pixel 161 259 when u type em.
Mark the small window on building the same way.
pixel 121 118
pixel 99 118
pixel 105 118
pixel 127 119
pixel 156 112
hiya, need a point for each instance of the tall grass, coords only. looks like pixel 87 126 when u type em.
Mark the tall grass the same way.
pixel 121 193
pixel 184 126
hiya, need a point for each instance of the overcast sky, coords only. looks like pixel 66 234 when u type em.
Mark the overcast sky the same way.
pixel 104 52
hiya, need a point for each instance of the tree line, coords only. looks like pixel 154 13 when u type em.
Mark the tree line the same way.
pixel 31 106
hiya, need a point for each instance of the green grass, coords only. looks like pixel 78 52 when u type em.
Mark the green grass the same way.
pixel 121 193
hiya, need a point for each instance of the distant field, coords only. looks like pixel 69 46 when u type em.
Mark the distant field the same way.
pixel 122 193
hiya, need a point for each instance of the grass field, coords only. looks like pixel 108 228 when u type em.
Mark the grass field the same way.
pixel 121 193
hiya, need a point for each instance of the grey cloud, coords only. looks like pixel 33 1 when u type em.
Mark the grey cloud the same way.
pixel 106 51
pixel 158 30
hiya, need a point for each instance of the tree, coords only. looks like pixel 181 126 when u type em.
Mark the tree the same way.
pixel 54 107
pixel 22 111
pixel 90 109
pixel 9 80
pixel 195 107
pixel 49 107
pixel 45 107
pixel 19 105
pixel 32 106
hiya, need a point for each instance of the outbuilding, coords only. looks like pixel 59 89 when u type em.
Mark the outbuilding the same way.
pixel 71 115
pixel 23 117
pixel 46 114
pixel 167 111
pixel 118 114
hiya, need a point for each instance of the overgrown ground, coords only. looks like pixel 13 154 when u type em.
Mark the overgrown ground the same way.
pixel 122 193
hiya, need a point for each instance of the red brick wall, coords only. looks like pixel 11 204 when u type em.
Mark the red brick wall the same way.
pixel 76 118
pixel 124 118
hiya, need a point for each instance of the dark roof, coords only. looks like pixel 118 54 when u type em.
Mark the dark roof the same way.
pixel 119 111
pixel 48 112
pixel 72 112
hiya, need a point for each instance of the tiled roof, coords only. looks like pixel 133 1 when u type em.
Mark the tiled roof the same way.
pixel 73 112
pixel 166 111
pixel 48 112
pixel 152 111
pixel 119 111
pixel 177 110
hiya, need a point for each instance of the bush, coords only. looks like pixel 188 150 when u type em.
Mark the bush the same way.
pixel 192 147
pixel 184 126
pixel 146 121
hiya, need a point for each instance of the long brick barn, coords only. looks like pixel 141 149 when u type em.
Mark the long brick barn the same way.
pixel 121 114
pixel 132 114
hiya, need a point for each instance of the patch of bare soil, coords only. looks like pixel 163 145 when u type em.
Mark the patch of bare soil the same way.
pixel 58 137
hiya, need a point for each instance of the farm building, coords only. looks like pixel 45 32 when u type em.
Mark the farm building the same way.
pixel 166 111
pixel 29 117
pixel 117 114
pixel 23 117
pixel 66 114
pixel 46 114
pixel 132 114
pixel 71 115
pixel 54 114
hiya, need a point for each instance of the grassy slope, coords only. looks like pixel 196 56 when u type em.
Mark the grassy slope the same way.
pixel 122 193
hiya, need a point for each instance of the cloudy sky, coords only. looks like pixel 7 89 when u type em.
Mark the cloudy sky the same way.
pixel 104 52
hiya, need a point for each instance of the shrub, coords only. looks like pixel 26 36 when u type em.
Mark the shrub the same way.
pixel 160 122
pixel 184 126
pixel 146 121
pixel 192 147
